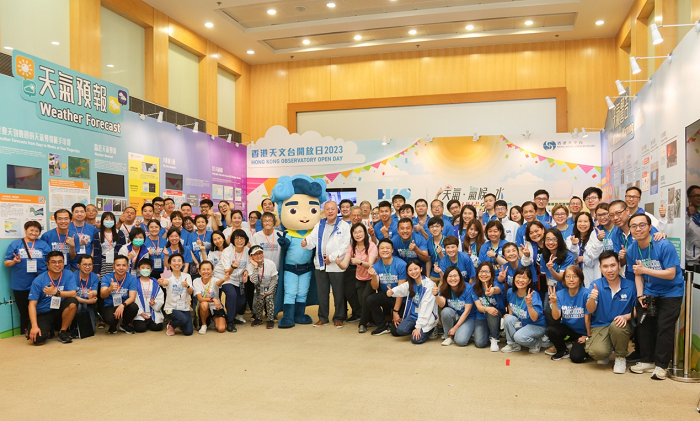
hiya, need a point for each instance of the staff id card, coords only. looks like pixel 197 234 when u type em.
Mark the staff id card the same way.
pixel 116 299
pixel 31 266
pixel 158 263
pixel 182 305
pixel 109 257
pixel 55 303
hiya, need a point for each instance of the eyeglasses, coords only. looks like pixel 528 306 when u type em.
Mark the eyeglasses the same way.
pixel 560 214
pixel 484 272
pixel 591 198
pixel 541 199
pixel 568 277
pixel 603 215
pixel 639 226
pixel 618 213
pixel 629 196
pixel 501 208
pixel 694 196
pixel 550 240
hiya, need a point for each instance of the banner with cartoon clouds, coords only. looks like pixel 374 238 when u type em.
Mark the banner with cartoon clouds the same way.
pixel 512 167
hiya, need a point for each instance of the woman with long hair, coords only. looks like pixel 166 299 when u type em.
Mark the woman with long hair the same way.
pixel 420 314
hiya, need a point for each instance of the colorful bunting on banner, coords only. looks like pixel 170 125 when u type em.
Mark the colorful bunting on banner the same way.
pixel 585 168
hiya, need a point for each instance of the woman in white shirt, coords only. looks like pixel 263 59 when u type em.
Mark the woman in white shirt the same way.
pixel 237 223
pixel 234 261
pixel 149 298
pixel 177 303
pixel 206 289
pixel 586 243
pixel 219 246
pixel 420 315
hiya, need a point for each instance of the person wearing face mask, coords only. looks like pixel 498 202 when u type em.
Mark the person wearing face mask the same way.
pixel 27 258
pixel 135 250
pixel 529 215
pixel 106 242
pixel 149 300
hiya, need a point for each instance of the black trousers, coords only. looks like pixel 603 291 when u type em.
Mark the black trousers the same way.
pixel 51 320
pixel 144 325
pixel 656 333
pixel 351 291
pixel 380 306
pixel 366 315
pixel 249 289
pixel 22 300
pixel 128 315
pixel 559 333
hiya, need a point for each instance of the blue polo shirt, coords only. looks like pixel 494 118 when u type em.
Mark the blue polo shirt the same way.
pixel 610 307
pixel 518 307
pixel 495 300
pixel 83 287
pixel 434 257
pixel 457 303
pixel 545 219
pixel 20 280
pixel 573 309
pixel 86 231
pixel 559 268
pixel 510 273
pixel 446 229
pixel 57 242
pixel 659 255
pixel 483 256
pixel 464 265
pixel 378 230
pixel 65 282
pixel 485 218
pixel 619 238
pixel 401 247
pixel 520 235
pixel 127 284
pixel 390 275
pixel 608 243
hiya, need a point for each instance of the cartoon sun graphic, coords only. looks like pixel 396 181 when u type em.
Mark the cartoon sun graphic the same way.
pixel 25 67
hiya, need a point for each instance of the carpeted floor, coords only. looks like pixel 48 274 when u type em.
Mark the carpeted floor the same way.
pixel 315 373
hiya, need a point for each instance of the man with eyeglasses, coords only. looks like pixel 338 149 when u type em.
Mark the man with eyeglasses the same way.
pixel 621 235
pixel 509 227
pixel 656 269
pixel 437 208
pixel 605 224
pixel 541 199
pixel 575 206
pixel 62 238
pixel 592 197
pixel 692 230
pixel 633 195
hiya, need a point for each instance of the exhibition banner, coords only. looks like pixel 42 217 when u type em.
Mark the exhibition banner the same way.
pixel 65 96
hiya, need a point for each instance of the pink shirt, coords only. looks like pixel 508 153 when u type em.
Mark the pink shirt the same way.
pixel 362 272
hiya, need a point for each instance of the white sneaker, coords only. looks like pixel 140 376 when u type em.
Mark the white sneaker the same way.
pixel 494 345
pixel 641 367
pixel 203 330
pixel 240 318
pixel 659 374
pixel 536 348
pixel 620 365
pixel 511 348
pixel 604 361
pixel 447 342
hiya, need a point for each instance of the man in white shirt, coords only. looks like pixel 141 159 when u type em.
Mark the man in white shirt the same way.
pixel 509 227
pixel 331 238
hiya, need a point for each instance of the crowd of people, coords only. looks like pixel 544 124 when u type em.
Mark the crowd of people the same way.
pixel 579 283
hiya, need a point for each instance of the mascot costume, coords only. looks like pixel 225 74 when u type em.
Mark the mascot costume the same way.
pixel 298 199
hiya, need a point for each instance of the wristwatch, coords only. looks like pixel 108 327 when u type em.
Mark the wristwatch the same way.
pixel 57 294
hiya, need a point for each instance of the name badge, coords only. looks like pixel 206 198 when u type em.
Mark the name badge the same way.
pixel 65 259
pixel 158 263
pixel 109 258
pixel 55 303
pixel 116 299
pixel 82 250
pixel 31 266
pixel 182 305
pixel 518 324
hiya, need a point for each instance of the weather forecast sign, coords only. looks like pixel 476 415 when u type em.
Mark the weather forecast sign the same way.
pixel 65 96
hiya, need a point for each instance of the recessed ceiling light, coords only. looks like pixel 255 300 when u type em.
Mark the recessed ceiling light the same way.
pixel 358 37
pixel 8 48
pixel 528 22
pixel 271 11
pixel 55 43
pixel 306 42
pixel 469 27
pixel 331 5
pixel 412 32
pixel 600 22
pixel 250 52
pixel 209 25
pixel 110 65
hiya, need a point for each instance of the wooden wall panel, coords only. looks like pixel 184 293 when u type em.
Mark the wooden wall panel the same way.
pixel 540 65
pixel 183 37
pixel 498 70
pixel 157 60
pixel 353 77
pixel 208 83
pixel 397 74
pixel 269 95
pixel 443 71
pixel 243 102
pixel 85 30
pixel 229 62
pixel 137 11
pixel 310 80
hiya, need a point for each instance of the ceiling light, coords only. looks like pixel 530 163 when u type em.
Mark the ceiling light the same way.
pixel 599 22
pixel 476 137
pixel 469 27
pixel 8 48
pixel 196 127
pixel 656 37
pixel 620 89
pixel 160 116
pixel 584 132
pixel 384 141
pixel 228 138
pixel 574 133
pixel 609 102
pixel 635 66
pixel 331 5
pixel 250 52
pixel 110 65
pixel 528 22
pixel 358 37
pixel 306 42
pixel 209 25
pixel 412 32
pixel 271 11
pixel 55 43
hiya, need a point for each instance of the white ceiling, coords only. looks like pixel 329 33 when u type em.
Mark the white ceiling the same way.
pixel 242 25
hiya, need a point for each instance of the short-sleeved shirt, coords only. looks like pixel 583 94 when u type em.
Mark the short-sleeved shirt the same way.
pixel 510 272
pixel 659 255
pixel 457 303
pixel 191 241
pixel 87 232
pixel 413 303
pixel 495 300
pixel 210 290
pixel 610 306
pixel 464 264
pixel 559 268
pixel 20 279
pixel 64 282
pixel 378 230
pixel 57 242
pixel 483 253
pixel 176 297
pixel 401 247
pixel 432 252
pixel 518 307
pixel 127 284
pixel 390 275
pixel 269 270
pixel 229 256
pixel 155 250
pixel 269 244
pixel 573 309
pixel 186 254
pixel 84 286
pixel 362 273
pixel 520 235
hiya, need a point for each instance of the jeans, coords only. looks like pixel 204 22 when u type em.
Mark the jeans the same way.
pixel 324 281
pixel 558 333
pixel 235 302
pixel 183 320
pixel 486 328
pixel 464 332
pixel 406 328
pixel 656 333
pixel 526 336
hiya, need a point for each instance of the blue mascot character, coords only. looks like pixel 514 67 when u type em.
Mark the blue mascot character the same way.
pixel 298 199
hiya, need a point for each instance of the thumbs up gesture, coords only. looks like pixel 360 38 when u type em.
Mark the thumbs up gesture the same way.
pixel 438 250
pixel 435 290
pixel 528 298
pixel 623 252
pixel 412 247
pixel 70 241
pixel 389 292
pixel 371 271
pixel 303 242
pixel 490 253
pixel 574 240
pixel 385 231
pixel 594 293
pixel 639 268
pixel 552 295
pixel 601 234
pixel 166 252
pixel 662 211
pixel 113 286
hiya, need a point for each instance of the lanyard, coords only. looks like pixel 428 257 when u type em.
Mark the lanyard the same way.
pixel 61 243
pixel 235 257
pixel 84 288
pixel 435 248
pixel 270 243
pixel 30 252
pixel 206 291
pixel 203 236
pixel 154 245
pixel 128 231
pixel 119 284
pixel 261 272
pixel 136 255
pixel 517 304
pixel 646 262
pixel 623 237
pixel 387 273
pixel 170 247
pixel 58 283
pixel 405 247
pixel 109 240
